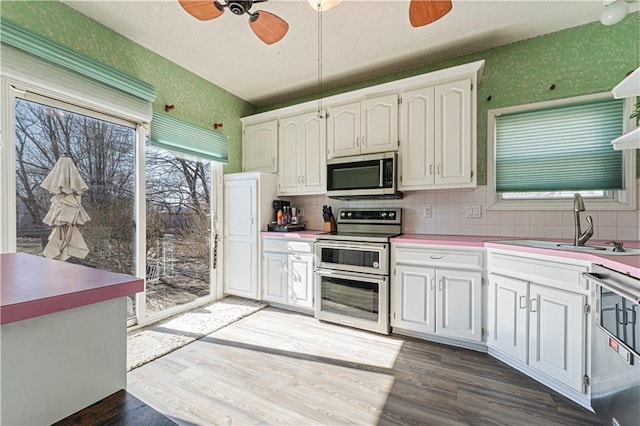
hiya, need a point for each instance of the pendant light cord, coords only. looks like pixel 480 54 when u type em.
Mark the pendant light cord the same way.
pixel 319 59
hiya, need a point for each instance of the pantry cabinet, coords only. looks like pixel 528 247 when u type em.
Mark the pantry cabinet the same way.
pixel 247 210
pixel 302 155
pixel 364 127
pixel 538 318
pixel 287 271
pixel 437 143
pixel 437 291
pixel 260 147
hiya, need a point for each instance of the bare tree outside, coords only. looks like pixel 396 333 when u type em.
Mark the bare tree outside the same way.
pixel 178 229
pixel 177 200
pixel 103 152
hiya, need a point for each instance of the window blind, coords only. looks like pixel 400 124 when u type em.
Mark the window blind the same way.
pixel 179 136
pixel 560 148
pixel 41 47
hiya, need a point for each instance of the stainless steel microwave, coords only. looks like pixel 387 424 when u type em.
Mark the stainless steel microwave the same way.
pixel 363 176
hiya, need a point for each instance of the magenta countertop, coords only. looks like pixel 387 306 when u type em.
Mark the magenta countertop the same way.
pixel 33 286
pixel 625 264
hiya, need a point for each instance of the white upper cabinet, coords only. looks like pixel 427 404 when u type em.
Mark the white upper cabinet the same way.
pixel 302 155
pixel 364 127
pixel 437 141
pixel 344 130
pixel 434 130
pixel 260 147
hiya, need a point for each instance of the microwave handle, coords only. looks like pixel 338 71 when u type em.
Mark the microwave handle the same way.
pixel 381 173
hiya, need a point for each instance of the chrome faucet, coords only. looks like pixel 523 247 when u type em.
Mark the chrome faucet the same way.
pixel 580 237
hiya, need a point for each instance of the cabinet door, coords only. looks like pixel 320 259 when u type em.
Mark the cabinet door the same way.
pixel 290 174
pixel 379 132
pixel 314 160
pixel 417 163
pixel 300 280
pixel 274 277
pixel 556 336
pixel 459 304
pixel 343 137
pixel 453 133
pixel 508 316
pixel 260 147
pixel 413 298
pixel 241 238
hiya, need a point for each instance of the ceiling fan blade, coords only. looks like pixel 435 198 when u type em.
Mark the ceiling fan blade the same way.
pixel 203 10
pixel 423 12
pixel 268 27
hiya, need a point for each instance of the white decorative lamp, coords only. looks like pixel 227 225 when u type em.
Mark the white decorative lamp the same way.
pixel 323 5
pixel 613 12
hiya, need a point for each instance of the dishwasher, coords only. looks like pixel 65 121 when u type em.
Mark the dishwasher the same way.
pixel 615 347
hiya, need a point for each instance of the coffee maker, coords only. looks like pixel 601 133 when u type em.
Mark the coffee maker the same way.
pixel 277 206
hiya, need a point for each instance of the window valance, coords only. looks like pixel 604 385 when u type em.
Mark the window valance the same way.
pixel 42 47
pixel 179 136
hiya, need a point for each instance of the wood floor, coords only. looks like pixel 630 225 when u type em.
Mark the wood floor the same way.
pixel 283 368
pixel 120 408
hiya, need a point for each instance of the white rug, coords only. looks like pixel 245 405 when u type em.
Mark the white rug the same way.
pixel 159 339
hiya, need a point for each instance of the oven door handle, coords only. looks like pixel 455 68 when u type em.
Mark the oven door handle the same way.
pixel 611 287
pixel 351 246
pixel 349 276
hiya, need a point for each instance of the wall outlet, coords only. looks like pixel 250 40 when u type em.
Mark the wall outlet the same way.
pixel 473 212
pixel 300 211
pixel 427 212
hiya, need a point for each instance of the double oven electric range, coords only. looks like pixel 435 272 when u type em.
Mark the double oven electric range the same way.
pixel 352 268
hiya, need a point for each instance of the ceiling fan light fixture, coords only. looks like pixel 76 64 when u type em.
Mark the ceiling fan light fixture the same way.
pixel 614 12
pixel 323 5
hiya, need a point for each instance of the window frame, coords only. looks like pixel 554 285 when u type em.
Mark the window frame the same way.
pixel 11 89
pixel 621 200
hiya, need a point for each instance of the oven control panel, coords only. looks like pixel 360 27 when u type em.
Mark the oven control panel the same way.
pixel 370 215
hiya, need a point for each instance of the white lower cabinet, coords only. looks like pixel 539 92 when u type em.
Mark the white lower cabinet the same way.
pixel 508 299
pixel 538 319
pixel 557 334
pixel 437 292
pixel 287 272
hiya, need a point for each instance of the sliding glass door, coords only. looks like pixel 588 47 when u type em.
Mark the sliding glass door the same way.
pixel 178 253
pixel 173 250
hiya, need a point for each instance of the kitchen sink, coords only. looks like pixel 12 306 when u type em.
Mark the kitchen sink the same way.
pixel 554 245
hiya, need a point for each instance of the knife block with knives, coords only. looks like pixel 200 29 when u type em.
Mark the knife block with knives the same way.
pixel 329 224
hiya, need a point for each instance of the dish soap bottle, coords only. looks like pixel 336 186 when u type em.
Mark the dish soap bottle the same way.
pixel 279 217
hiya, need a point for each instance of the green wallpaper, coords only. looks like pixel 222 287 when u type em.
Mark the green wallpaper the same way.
pixel 197 101
pixel 589 59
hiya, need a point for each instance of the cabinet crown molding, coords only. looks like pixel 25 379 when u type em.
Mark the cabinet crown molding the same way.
pixel 396 86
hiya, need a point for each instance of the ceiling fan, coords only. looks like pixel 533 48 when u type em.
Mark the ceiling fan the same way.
pixel 271 28
pixel 424 12
pixel 268 27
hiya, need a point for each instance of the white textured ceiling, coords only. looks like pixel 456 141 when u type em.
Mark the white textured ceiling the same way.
pixel 361 38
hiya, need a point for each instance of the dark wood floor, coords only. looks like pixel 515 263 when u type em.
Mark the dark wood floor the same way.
pixel 121 408
pixel 277 367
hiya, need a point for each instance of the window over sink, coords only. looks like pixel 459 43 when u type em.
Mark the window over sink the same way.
pixel 541 154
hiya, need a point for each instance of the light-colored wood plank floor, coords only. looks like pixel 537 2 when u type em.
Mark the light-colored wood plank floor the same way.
pixel 278 367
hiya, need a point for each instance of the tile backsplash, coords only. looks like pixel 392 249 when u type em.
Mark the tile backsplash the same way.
pixel 448 216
